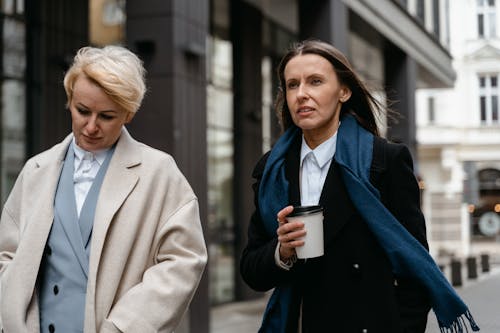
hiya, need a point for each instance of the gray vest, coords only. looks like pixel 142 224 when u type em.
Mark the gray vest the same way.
pixel 62 279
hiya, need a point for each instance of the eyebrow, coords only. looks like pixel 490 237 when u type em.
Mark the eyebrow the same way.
pixel 80 104
pixel 308 76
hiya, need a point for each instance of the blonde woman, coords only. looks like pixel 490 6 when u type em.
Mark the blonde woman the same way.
pixel 100 233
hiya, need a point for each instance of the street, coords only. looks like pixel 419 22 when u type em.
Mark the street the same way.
pixel 481 295
pixel 483 298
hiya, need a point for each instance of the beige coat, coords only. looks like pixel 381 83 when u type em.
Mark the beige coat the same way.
pixel 147 251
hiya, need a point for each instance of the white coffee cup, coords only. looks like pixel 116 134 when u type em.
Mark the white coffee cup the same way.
pixel 312 217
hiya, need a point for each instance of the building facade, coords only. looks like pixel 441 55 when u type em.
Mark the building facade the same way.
pixel 211 84
pixel 459 137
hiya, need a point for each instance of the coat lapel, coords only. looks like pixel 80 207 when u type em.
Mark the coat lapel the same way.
pixel 47 169
pixel 336 203
pixel 292 171
pixel 337 206
pixel 118 182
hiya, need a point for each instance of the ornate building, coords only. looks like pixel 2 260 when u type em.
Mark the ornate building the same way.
pixel 459 137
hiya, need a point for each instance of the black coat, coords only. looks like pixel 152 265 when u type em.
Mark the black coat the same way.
pixel 351 288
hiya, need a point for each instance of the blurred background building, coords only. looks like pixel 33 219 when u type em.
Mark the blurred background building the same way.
pixel 211 79
pixel 459 137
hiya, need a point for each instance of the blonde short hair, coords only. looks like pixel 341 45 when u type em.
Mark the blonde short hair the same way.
pixel 118 71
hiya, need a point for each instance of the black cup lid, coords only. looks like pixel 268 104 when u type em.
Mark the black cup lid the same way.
pixel 305 210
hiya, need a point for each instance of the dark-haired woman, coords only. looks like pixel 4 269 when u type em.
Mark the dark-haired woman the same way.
pixel 376 274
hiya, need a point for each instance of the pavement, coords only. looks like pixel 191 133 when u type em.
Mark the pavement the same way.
pixel 238 317
pixel 482 295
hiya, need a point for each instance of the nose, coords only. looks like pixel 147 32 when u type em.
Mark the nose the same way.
pixel 92 126
pixel 302 92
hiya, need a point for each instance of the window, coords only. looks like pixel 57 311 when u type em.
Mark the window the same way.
pixel 488 99
pixel 436 18
pixel 12 7
pixel 421 10
pixel 12 93
pixel 220 171
pixel 486 18
pixel 107 22
pixel 431 109
pixel 486 215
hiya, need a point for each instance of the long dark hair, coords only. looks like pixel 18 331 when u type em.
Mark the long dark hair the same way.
pixel 362 104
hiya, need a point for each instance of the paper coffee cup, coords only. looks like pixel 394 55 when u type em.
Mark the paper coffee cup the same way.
pixel 312 217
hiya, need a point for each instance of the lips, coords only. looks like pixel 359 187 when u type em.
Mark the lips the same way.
pixel 90 138
pixel 305 109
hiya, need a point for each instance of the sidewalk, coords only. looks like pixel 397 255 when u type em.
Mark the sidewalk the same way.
pixel 238 317
pixel 481 295
pixel 483 299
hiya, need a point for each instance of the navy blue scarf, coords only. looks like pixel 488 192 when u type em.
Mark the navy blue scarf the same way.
pixel 407 256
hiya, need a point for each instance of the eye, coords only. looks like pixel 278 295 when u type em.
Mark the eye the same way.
pixel 106 116
pixel 83 112
pixel 316 81
pixel 292 84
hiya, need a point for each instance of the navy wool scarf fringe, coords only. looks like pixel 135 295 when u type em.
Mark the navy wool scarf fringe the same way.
pixel 407 256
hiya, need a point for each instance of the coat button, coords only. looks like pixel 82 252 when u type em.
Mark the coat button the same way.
pixel 56 290
pixel 364 330
pixel 52 328
pixel 48 250
pixel 395 282
pixel 356 270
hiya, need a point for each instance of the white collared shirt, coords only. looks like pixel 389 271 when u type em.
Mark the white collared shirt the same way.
pixel 314 165
pixel 86 167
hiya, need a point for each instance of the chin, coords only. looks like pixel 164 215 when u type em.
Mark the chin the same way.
pixel 88 146
pixel 307 126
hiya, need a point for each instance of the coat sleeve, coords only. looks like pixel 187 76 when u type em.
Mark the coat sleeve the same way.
pixel 159 301
pixel 257 266
pixel 401 195
pixel 9 226
pixel 9 236
pixel 8 245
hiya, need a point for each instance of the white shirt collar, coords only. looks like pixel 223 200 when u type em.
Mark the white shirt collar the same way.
pixel 323 153
pixel 80 153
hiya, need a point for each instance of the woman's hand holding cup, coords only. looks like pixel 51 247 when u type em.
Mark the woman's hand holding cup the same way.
pixel 288 234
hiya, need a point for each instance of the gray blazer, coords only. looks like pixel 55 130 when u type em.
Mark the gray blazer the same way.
pixel 62 279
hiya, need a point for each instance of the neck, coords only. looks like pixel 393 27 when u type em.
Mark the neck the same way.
pixel 316 137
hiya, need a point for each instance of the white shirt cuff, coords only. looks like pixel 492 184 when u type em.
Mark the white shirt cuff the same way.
pixel 282 264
